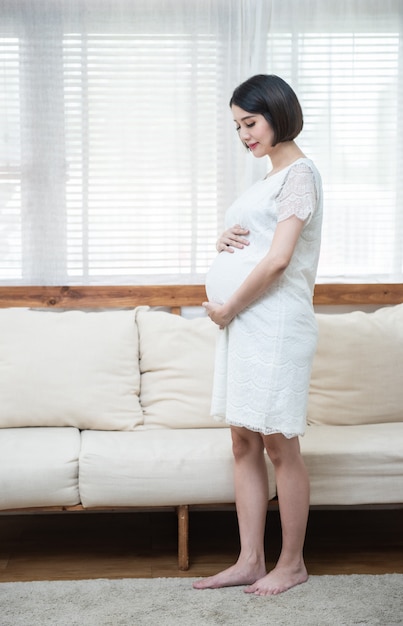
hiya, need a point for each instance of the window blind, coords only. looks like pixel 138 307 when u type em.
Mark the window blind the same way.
pixel 10 162
pixel 139 194
pixel 348 77
pixel 115 171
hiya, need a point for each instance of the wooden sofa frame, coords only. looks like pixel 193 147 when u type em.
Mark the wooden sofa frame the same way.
pixel 173 297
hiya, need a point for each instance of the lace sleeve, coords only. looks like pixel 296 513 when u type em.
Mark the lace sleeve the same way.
pixel 297 195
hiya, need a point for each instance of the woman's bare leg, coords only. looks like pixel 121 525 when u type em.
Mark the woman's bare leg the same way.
pixel 293 493
pixel 251 495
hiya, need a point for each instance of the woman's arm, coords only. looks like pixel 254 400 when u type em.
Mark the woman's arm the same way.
pixel 266 272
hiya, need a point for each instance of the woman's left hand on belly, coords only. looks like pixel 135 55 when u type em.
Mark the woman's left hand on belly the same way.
pixel 218 314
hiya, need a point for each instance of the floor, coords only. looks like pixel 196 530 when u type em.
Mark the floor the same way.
pixel 143 545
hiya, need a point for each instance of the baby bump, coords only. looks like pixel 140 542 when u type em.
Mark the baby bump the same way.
pixel 227 273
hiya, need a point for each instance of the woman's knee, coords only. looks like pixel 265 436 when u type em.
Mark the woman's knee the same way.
pixel 280 449
pixel 245 442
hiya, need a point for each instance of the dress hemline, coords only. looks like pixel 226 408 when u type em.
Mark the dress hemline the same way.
pixel 257 429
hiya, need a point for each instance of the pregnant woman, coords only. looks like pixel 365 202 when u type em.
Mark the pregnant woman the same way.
pixel 259 291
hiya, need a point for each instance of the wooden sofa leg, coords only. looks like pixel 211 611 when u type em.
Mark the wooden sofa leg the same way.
pixel 183 536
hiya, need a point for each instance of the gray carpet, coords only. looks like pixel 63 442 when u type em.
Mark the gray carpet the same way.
pixel 322 601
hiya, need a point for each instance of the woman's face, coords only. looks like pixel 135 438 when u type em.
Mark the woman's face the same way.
pixel 254 131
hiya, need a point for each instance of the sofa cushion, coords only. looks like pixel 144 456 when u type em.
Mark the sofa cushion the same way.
pixel 357 369
pixel 39 467
pixel 354 464
pixel 176 365
pixel 164 467
pixel 69 369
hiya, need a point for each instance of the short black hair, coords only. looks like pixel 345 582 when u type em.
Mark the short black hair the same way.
pixel 270 96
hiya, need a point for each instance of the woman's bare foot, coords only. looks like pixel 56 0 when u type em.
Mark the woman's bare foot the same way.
pixel 234 576
pixel 277 581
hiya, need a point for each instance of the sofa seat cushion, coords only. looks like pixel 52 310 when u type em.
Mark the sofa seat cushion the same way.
pixel 355 464
pixel 176 365
pixel 164 467
pixel 69 368
pixel 39 467
pixel 357 369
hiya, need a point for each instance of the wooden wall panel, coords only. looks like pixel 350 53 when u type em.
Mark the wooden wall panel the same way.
pixel 176 296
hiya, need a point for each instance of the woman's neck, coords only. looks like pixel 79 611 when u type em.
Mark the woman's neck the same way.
pixel 283 154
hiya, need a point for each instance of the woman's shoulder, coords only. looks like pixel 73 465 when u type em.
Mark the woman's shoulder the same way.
pixel 302 171
pixel 300 187
pixel 303 165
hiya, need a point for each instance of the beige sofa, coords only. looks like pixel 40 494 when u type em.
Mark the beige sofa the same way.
pixel 110 409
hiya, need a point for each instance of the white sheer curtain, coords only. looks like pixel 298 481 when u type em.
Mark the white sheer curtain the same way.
pixel 118 154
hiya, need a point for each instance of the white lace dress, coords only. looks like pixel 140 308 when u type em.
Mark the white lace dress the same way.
pixel 264 357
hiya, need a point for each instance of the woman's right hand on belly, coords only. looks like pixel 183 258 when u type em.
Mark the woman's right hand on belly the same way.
pixel 231 238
